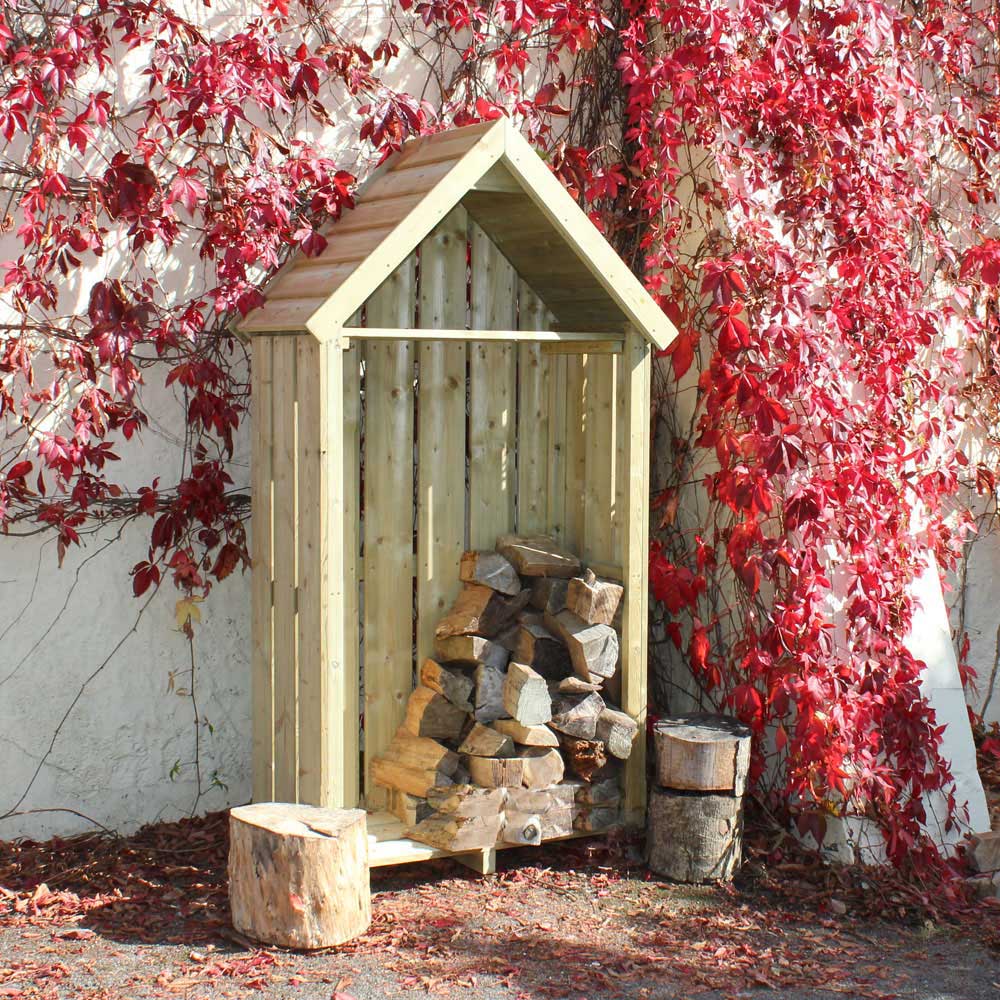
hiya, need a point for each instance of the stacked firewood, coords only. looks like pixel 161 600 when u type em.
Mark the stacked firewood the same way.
pixel 510 736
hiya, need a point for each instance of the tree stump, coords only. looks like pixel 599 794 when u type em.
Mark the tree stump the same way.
pixel 298 875
pixel 705 753
pixel 694 838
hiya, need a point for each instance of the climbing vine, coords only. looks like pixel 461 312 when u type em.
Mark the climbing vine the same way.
pixel 806 187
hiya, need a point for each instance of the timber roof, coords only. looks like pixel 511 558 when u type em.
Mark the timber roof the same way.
pixel 508 190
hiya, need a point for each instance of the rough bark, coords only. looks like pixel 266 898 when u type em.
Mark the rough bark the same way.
pixel 430 714
pixel 694 837
pixel 455 684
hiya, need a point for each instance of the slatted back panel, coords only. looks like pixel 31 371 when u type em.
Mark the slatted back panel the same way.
pixel 503 437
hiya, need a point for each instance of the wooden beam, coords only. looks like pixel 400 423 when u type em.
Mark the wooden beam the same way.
pixel 583 347
pixel 613 338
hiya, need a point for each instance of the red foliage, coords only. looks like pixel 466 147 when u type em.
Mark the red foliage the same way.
pixel 813 266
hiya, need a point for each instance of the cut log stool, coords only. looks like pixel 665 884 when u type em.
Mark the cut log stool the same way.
pixel 695 818
pixel 298 875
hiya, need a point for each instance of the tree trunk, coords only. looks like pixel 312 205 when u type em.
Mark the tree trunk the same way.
pixel 694 838
pixel 706 753
pixel 298 875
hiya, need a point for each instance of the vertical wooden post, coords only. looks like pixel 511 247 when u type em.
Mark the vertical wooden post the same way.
pixel 262 662
pixel 637 359
pixel 285 572
pixel 344 371
pixel 314 484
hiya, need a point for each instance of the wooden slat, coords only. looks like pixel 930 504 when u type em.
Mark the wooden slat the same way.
pixel 347 245
pixel 441 146
pixel 635 557
pixel 388 520
pixel 556 499
pixel 576 452
pixel 583 347
pixel 315 759
pixel 381 214
pixel 441 433
pixel 621 469
pixel 492 388
pixel 285 658
pixel 599 493
pixel 262 680
pixel 532 419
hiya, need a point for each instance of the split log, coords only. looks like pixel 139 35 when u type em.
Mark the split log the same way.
pixel 557 822
pixel 694 838
pixel 593 649
pixel 530 736
pixel 617 731
pixel 708 753
pixel 543 766
pixel 521 828
pixel 548 594
pixel 467 800
pixel 430 714
pixel 471 649
pixel 596 819
pixel 599 793
pixel 458 833
pixel 422 753
pixel 408 809
pixel 451 682
pixel 538 555
pixel 584 757
pixel 482 741
pixel 594 600
pixel 542 651
pixel 577 714
pixel 576 685
pixel 491 570
pixel 478 610
pixel 489 694
pixel 412 780
pixel 526 696
pixel 541 800
pixel 298 875
pixel 496 772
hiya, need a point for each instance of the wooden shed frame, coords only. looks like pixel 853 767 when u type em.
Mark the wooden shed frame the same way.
pixel 467 357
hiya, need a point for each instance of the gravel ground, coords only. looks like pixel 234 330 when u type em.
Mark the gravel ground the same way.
pixel 147 917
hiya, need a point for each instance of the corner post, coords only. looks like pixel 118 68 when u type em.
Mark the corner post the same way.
pixel 637 359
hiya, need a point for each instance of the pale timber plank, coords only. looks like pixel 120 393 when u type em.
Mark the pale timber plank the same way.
pixel 285 652
pixel 343 370
pixel 441 432
pixel 388 558
pixel 262 676
pixel 599 495
pixel 556 500
pixel 313 687
pixel 635 559
pixel 492 397
pixel 532 419
pixel 577 370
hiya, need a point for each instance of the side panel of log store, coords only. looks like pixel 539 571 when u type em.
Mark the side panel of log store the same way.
pixel 467 359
